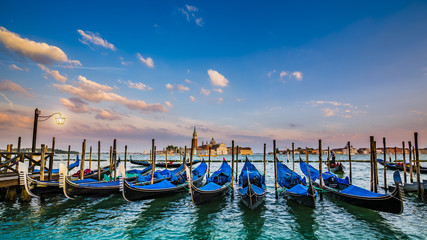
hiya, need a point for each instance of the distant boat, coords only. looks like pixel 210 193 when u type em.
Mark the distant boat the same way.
pixel 399 166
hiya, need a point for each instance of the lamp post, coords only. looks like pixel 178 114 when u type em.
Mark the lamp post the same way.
pixel 38 118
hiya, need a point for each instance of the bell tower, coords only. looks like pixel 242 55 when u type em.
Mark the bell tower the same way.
pixel 195 138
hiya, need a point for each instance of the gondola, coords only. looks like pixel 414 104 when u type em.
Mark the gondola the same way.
pixel 177 184
pixel 70 167
pixel 102 188
pixel 216 186
pixel 252 188
pixel 399 166
pixel 294 187
pixel 336 167
pixel 39 188
pixel 162 165
pixel 410 187
pixel 341 189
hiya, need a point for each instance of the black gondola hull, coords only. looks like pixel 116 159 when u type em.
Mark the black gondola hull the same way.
pixel 134 194
pixel 72 189
pixel 199 196
pixel 391 203
pixel 306 200
pixel 251 199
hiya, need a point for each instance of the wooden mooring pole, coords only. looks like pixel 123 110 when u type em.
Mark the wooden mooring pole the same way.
pixel 90 158
pixel 275 167
pixel 349 161
pixel 82 164
pixel 293 157
pixel 375 167
pixel 328 163
pixel 126 152
pixel 153 163
pixel 385 164
pixel 42 162
pixel 320 168
pixel 232 164
pixel 99 160
pixel 264 158
pixel 237 162
pixel 371 146
pixel 115 158
pixel 68 156
pixel 404 161
pixel 209 161
pixel 417 159
pixel 410 162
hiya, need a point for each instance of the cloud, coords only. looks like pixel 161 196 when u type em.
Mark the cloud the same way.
pixel 123 62
pixel 13 67
pixel 12 119
pixel 38 52
pixel 220 100
pixel 95 92
pixel 205 92
pixel 240 99
pixel 75 104
pixel 147 61
pixel 138 85
pixel 271 72
pixel 339 109
pixel 94 85
pixel 107 115
pixel 53 73
pixel 297 75
pixel 190 12
pixel 327 112
pixel 178 87
pixel 217 79
pixel 89 38
pixel 283 74
pixel 7 85
pixel 188 81
pixel 169 104
pixel 7 100
pixel 218 90
pixel 193 99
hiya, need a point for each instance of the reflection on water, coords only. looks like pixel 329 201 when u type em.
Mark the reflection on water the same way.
pixel 177 217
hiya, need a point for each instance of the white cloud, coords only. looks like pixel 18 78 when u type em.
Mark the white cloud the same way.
pixel 147 61
pixel 93 85
pixel 14 67
pixel 328 112
pixel 205 92
pixel 75 104
pixel 7 100
pixel 95 39
pixel 169 104
pixel 188 81
pixel 53 73
pixel 193 99
pixel 271 72
pixel 38 52
pixel 105 114
pixel 218 90
pixel 220 100
pixel 138 85
pixel 190 13
pixel 94 92
pixel 217 79
pixel 123 62
pixel 178 87
pixel 283 74
pixel 240 99
pixel 7 86
pixel 297 75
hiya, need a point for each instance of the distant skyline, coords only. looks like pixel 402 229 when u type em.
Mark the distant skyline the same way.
pixel 244 71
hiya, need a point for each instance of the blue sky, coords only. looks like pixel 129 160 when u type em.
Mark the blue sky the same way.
pixel 294 71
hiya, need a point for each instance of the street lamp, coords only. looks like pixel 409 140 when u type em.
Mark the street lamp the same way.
pixel 37 118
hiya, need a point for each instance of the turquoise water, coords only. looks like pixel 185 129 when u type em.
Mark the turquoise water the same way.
pixel 176 217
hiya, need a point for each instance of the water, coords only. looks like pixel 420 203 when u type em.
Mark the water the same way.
pixel 176 217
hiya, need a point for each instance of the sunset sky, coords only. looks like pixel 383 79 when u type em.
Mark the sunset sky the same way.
pixel 294 71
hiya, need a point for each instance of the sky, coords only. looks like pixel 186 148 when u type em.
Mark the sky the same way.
pixel 252 71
